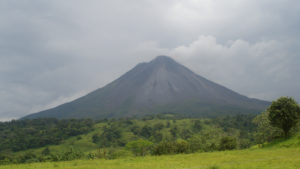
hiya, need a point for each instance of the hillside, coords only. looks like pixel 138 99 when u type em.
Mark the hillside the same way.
pixel 28 139
pixel 159 86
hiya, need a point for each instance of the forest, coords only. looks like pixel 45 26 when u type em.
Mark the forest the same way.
pixel 152 135
pixel 40 140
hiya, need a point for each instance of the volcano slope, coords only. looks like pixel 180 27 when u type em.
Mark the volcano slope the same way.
pixel 159 86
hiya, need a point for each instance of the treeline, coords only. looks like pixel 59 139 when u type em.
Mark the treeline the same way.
pixel 154 135
pixel 20 135
pixel 45 155
pixel 178 135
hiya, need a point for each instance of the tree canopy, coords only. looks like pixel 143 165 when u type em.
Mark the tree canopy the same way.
pixel 284 114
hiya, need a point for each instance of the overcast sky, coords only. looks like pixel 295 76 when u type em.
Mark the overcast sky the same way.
pixel 53 51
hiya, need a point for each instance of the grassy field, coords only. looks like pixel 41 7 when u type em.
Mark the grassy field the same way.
pixel 269 158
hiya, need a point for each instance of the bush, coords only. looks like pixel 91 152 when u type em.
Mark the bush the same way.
pixel 108 153
pixel 71 154
pixel 139 147
pixel 114 153
pixel 146 131
pixel 111 137
pixel 46 151
pixel 182 146
pixel 206 140
pixel 264 131
pixel 197 126
pixel 171 147
pixel 228 143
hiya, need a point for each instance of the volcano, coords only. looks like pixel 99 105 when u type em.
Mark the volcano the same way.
pixel 159 86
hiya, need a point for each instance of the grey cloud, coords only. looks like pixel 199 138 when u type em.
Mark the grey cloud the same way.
pixel 265 69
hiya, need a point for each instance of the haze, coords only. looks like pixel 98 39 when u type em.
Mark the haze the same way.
pixel 55 51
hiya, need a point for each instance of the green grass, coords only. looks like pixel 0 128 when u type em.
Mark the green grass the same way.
pixel 270 158
pixel 291 142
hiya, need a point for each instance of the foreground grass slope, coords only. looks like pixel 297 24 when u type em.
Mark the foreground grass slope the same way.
pixel 277 158
pixel 293 141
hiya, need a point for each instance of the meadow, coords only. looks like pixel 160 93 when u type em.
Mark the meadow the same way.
pixel 266 158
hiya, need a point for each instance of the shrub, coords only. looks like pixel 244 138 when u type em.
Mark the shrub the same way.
pixel 111 136
pixel 46 151
pixel 228 143
pixel 264 131
pixel 171 147
pixel 71 154
pixel 139 147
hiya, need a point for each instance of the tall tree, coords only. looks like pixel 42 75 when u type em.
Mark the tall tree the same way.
pixel 284 114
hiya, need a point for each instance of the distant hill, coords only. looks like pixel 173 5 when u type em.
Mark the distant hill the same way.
pixel 159 86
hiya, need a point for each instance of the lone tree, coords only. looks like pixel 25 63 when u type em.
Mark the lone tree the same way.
pixel 284 114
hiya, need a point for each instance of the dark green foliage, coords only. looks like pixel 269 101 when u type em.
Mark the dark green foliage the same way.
pixel 196 143
pixel 26 134
pixel 284 114
pixel 171 147
pixel 264 131
pixel 139 147
pixel 228 143
pixel 108 153
pixel 174 131
pixel 186 133
pixel 197 125
pixel 206 141
pixel 135 130
pixel 182 146
pixel 242 127
pixel 46 151
pixel 71 154
pixel 243 122
pixel 158 136
pixel 146 131
pixel 110 137
pixel 30 157
pixel 128 122
pixel 6 158
pixel 244 143
pixel 158 126
pixel 168 124
pixel 164 148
